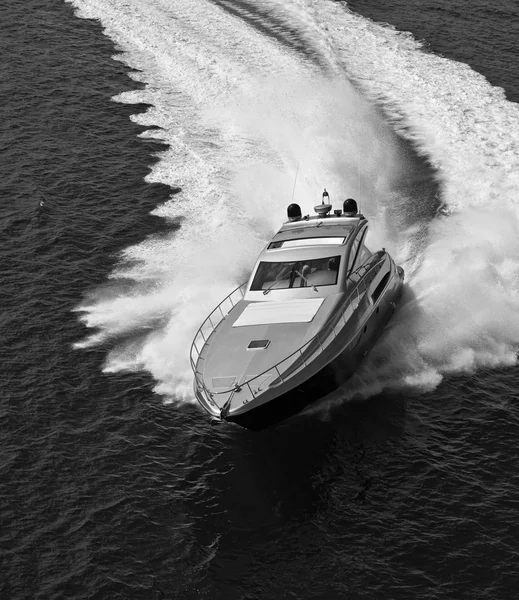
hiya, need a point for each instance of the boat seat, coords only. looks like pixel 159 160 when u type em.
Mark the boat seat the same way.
pixel 319 278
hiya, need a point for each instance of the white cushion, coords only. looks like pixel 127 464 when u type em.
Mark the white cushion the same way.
pixel 268 313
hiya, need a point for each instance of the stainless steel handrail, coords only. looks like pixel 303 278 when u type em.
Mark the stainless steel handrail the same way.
pixel 318 337
pixel 205 336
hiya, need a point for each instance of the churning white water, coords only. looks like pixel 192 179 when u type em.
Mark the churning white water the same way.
pixel 244 111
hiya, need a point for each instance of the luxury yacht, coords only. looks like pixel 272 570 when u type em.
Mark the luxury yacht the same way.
pixel 315 304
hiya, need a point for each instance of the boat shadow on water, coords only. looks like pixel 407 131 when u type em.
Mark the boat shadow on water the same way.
pixel 286 490
pixel 293 465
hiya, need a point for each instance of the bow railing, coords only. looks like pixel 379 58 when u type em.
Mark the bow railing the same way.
pixel 207 329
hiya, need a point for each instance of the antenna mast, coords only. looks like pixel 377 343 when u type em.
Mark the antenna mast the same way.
pixel 295 181
pixel 359 186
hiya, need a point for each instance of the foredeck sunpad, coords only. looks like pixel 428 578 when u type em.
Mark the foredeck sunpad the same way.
pixel 268 313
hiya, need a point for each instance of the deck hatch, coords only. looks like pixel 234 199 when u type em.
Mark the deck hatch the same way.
pixel 258 344
pixel 223 382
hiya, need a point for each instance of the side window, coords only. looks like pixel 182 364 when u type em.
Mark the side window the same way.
pixel 380 287
pixel 353 253
pixel 362 254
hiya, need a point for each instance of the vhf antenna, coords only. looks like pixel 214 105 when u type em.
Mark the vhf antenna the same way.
pixel 359 186
pixel 295 181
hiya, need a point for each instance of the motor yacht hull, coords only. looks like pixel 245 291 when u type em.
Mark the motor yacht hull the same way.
pixel 316 302
pixel 333 375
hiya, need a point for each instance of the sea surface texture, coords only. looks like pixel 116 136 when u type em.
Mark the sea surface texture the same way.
pixel 148 150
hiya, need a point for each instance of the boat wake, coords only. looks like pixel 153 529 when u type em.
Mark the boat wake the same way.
pixel 252 103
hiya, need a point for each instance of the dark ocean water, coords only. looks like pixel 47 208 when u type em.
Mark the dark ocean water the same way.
pixel 108 492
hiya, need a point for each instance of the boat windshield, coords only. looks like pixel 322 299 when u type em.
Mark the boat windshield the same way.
pixel 296 274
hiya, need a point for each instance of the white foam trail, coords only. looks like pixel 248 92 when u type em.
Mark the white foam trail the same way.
pixel 239 128
pixel 241 112
pixel 466 310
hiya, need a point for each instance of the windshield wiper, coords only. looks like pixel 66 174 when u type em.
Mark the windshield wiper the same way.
pixel 267 290
pixel 308 282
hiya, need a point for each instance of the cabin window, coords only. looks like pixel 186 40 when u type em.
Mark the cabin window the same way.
pixel 296 274
pixel 380 287
pixel 353 253
pixel 358 256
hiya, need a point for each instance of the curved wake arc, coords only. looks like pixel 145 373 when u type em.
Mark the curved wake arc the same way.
pixel 247 97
